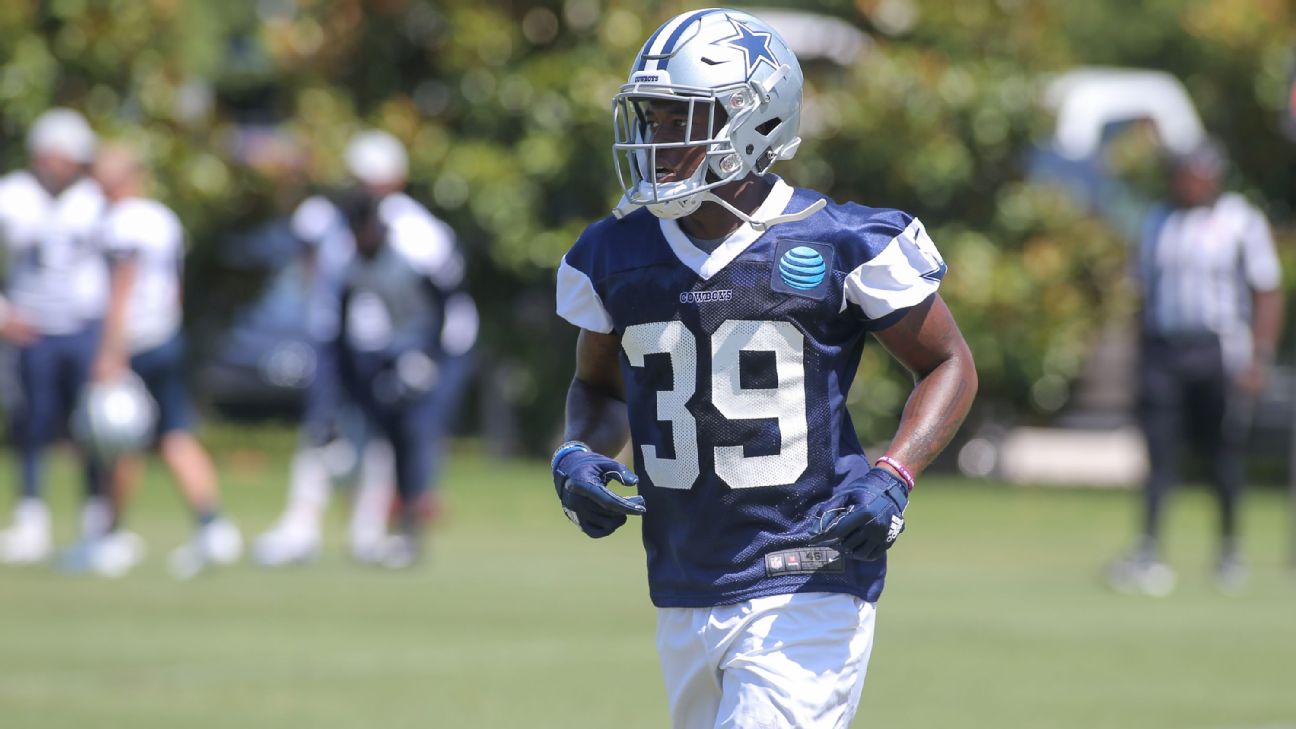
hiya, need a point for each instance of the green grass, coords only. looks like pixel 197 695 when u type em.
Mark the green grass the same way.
pixel 994 617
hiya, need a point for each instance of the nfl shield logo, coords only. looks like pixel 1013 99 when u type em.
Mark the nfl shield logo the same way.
pixel 776 562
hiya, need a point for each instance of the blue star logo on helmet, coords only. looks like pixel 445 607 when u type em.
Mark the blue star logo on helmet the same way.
pixel 754 45
pixel 802 268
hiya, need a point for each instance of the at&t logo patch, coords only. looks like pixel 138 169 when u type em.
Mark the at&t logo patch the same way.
pixel 803 268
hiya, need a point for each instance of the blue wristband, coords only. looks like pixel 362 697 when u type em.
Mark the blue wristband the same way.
pixel 570 446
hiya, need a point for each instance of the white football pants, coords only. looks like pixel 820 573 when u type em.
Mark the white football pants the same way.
pixel 779 662
pixel 311 486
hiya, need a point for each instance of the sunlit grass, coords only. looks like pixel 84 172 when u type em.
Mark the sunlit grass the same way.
pixel 994 617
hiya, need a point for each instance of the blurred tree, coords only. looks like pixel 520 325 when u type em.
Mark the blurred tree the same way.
pixel 505 106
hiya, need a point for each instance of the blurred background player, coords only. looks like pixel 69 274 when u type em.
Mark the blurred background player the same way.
pixel 55 292
pixel 378 165
pixel 331 425
pixel 394 358
pixel 1211 319
pixel 143 241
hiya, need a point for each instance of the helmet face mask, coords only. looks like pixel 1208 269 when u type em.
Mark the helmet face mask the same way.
pixel 658 168
pixel 736 76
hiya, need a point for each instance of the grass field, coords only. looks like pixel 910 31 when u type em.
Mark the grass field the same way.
pixel 994 617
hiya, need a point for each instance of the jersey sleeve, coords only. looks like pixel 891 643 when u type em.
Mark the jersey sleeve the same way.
pixel 578 301
pixel 904 272
pixel 1259 257
pixel 430 247
pixel 21 221
pixel 459 332
pixel 131 229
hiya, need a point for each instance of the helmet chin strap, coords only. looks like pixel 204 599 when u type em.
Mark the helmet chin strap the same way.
pixel 625 207
pixel 770 222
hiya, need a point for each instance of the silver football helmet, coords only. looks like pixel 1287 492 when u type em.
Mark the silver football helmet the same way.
pixel 735 69
pixel 114 418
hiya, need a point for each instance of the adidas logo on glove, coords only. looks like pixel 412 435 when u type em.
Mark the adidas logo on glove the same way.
pixel 897 524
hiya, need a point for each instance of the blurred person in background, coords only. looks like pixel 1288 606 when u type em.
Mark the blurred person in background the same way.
pixel 143 241
pixel 1211 317
pixel 394 358
pixel 378 166
pixel 56 287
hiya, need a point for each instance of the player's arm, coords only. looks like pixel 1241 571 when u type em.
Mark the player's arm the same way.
pixel 597 424
pixel 336 348
pixel 13 327
pixel 1266 323
pixel 1264 274
pixel 112 359
pixel 927 341
pixel 864 519
pixel 596 410
pixel 459 317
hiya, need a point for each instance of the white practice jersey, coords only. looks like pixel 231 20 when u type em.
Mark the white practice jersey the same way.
pixel 148 232
pixel 56 277
pixel 418 235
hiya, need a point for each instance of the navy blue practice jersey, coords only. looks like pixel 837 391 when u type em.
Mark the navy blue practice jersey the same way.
pixel 737 365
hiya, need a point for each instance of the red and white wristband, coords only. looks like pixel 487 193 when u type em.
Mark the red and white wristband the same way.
pixel 905 474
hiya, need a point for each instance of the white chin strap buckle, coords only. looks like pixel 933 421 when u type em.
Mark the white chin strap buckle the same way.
pixel 624 207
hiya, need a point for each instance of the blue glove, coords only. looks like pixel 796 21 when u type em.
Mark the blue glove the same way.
pixel 863 520
pixel 580 477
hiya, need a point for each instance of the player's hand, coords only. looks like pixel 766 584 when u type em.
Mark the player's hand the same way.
pixel 108 367
pixel 15 329
pixel 416 372
pixel 405 379
pixel 580 477
pixel 864 520
pixel 1252 380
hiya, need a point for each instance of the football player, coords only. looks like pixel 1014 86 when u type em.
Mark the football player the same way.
pixel 378 165
pixel 393 356
pixel 50 316
pixel 376 161
pixel 144 242
pixel 722 314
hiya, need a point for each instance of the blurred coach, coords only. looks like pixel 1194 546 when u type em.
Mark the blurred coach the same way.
pixel 1211 317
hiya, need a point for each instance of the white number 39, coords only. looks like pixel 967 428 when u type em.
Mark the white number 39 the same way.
pixel 786 402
